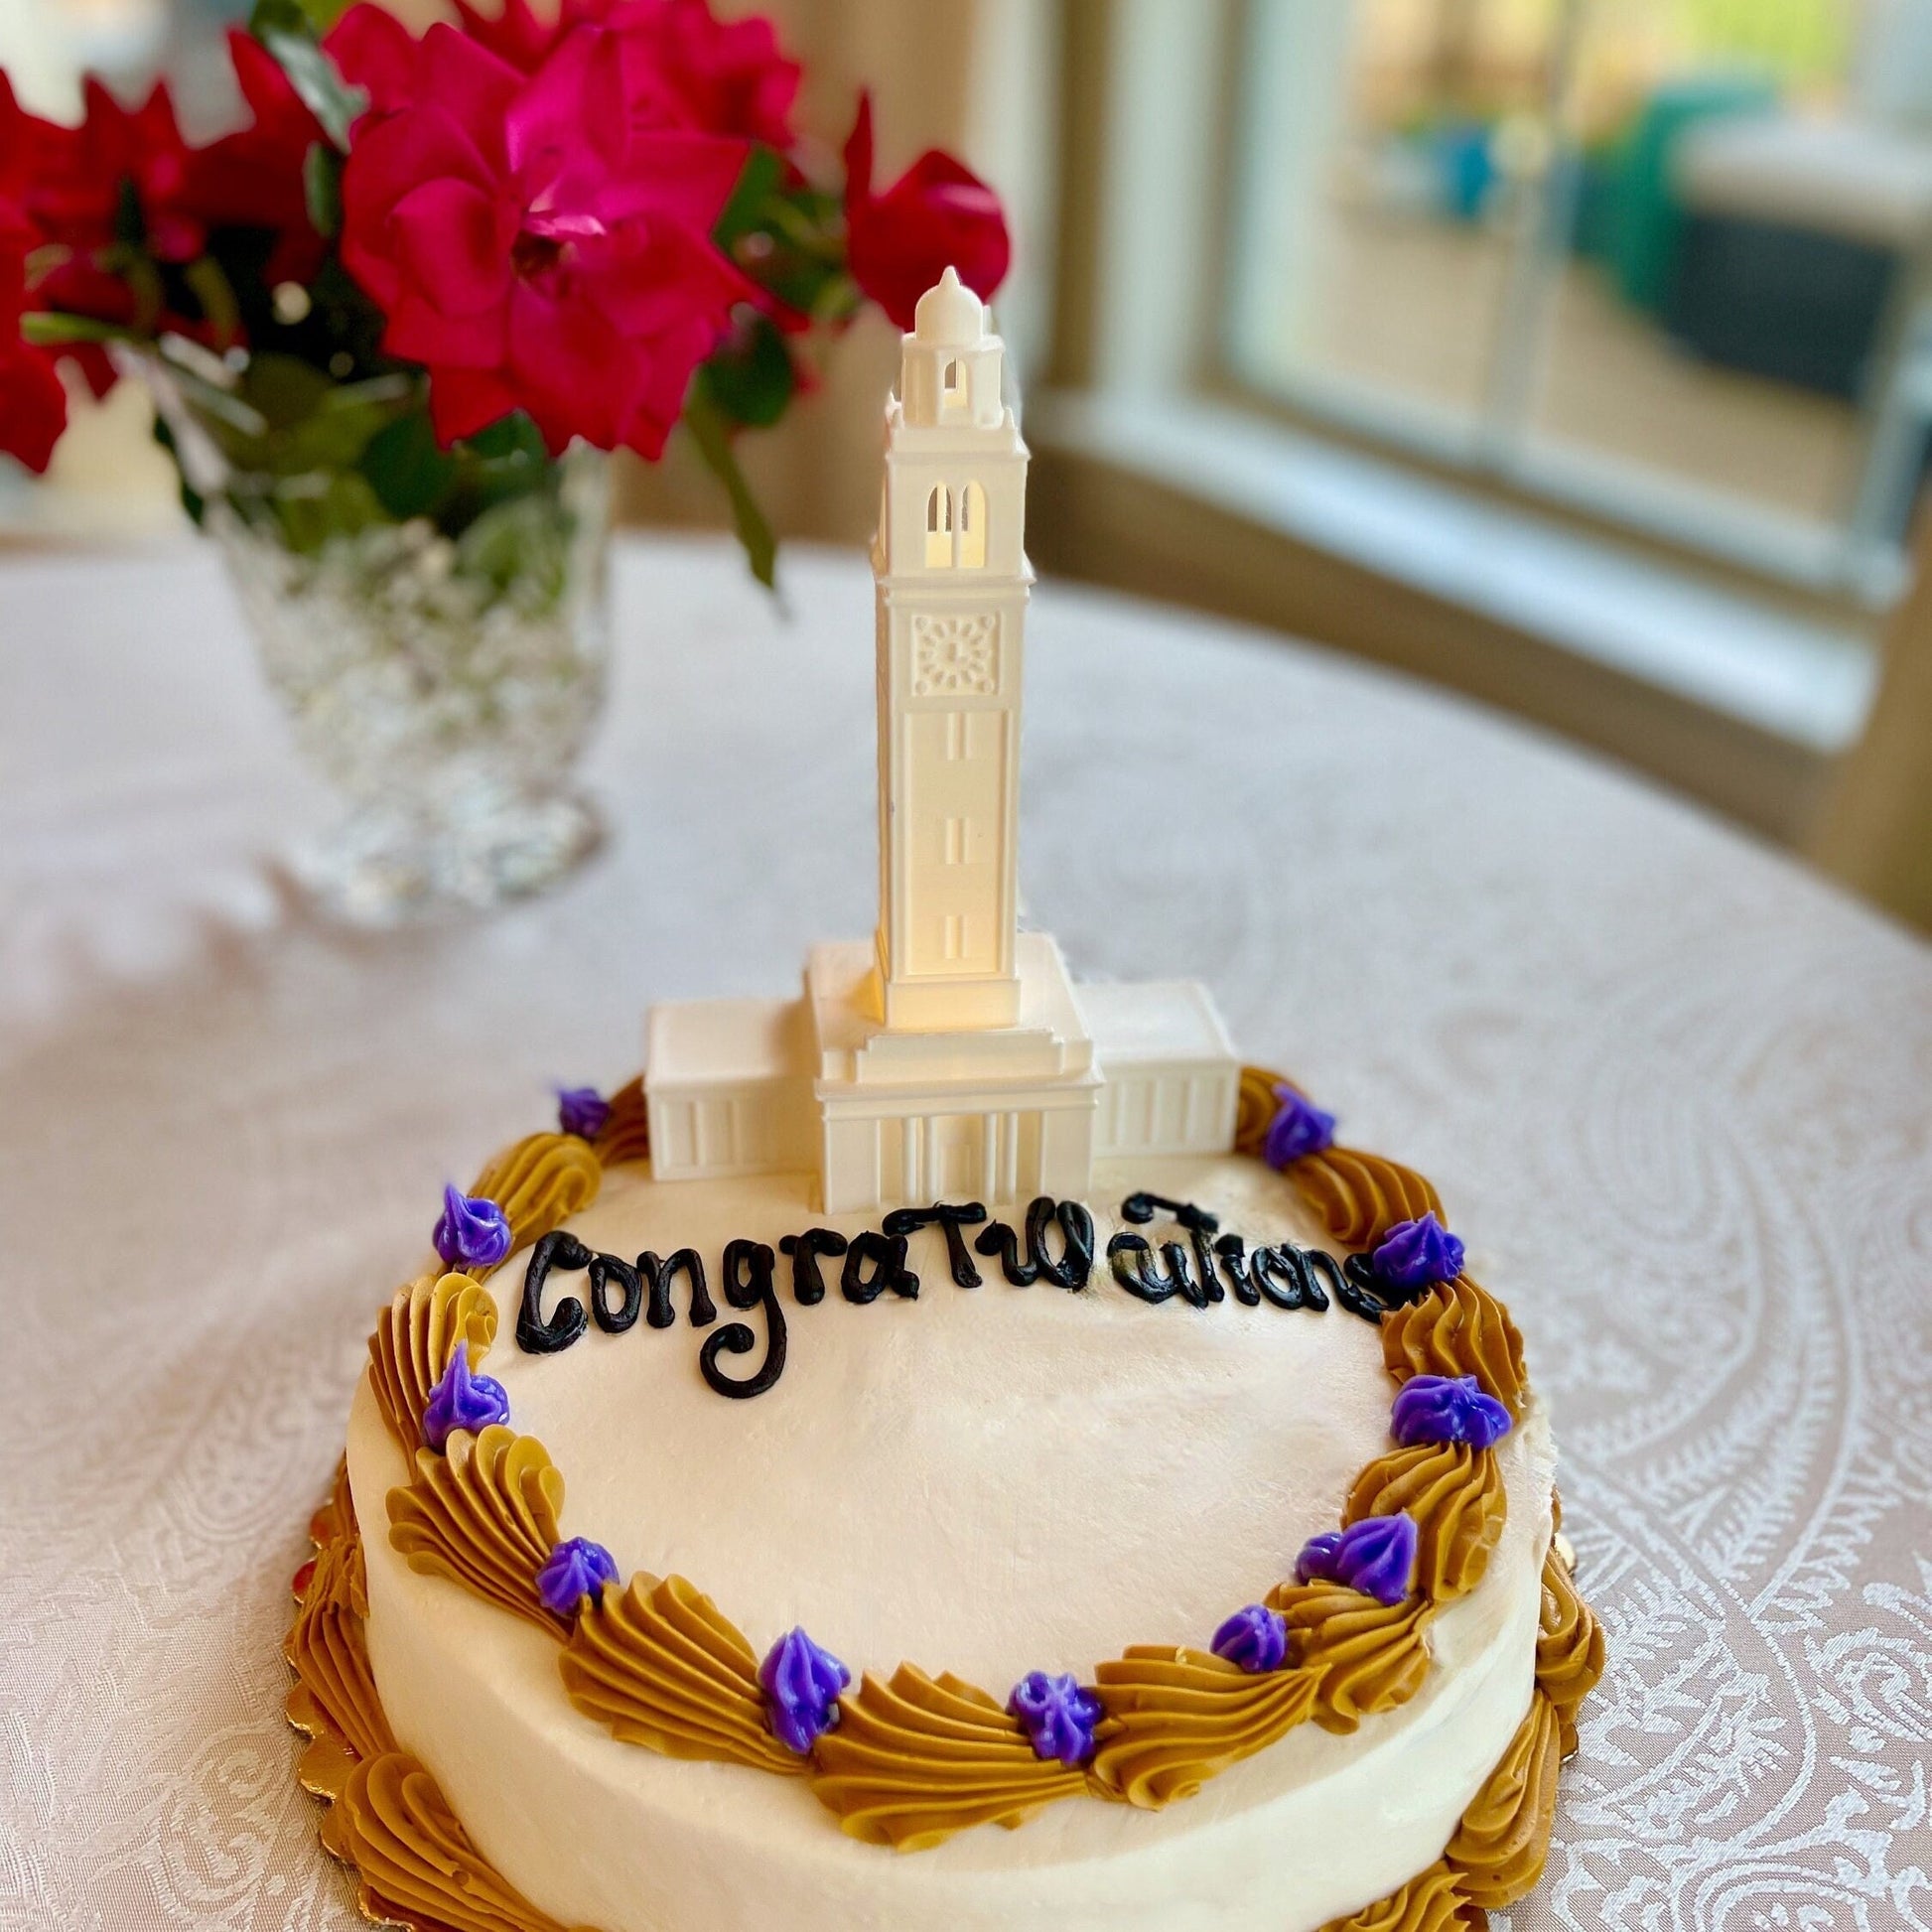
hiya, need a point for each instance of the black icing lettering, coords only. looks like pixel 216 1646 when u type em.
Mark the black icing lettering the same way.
pixel 747 1284
pixel 605 1269
pixel 808 1284
pixel 887 1255
pixel 1075 1264
pixel 1129 1255
pixel 534 1335
pixel 1204 1260
pixel 1317 1262
pixel 1201 1269
pixel 949 1220
pixel 1282 1276
pixel 1001 1240
pixel 1175 1256
pixel 657 1277
pixel 1357 1290
pixel 1075 1224
pixel 1232 1249
pixel 1141 1209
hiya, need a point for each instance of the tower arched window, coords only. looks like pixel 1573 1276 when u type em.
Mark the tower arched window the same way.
pixel 938 528
pixel 972 527
pixel 952 385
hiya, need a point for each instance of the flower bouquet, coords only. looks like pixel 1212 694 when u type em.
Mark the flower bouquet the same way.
pixel 391 323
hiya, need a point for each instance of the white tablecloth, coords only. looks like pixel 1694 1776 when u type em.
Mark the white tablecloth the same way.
pixel 1678 1096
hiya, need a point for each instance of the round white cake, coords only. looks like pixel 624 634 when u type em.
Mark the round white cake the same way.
pixel 989 1481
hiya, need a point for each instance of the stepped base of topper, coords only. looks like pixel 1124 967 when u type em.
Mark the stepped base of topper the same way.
pixel 886 1117
pixel 998 1114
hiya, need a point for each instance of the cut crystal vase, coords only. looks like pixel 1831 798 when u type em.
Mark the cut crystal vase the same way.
pixel 436 628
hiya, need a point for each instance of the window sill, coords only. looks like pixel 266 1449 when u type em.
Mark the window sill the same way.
pixel 1803 682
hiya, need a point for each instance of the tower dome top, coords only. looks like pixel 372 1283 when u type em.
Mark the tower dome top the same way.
pixel 949 313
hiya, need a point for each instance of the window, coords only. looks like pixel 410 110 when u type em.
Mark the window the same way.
pixel 938 528
pixel 952 385
pixel 972 527
pixel 1635 255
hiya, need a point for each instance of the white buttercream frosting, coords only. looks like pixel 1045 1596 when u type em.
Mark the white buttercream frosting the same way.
pixel 987 1482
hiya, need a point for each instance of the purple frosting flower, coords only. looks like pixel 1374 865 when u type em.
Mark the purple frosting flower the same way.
pixel 1299 1128
pixel 1447 1409
pixel 801 1683
pixel 1376 1556
pixel 1255 1638
pixel 1057 1716
pixel 581 1111
pixel 577 1569
pixel 472 1233
pixel 1412 1254
pixel 463 1400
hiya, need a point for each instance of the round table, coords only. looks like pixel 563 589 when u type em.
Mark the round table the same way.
pixel 1677 1094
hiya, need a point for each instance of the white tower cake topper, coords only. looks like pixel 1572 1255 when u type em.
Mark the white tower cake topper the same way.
pixel 952 579
pixel 951 1056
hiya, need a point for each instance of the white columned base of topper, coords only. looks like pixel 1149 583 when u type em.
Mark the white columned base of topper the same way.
pixel 996 1114
pixel 890 1118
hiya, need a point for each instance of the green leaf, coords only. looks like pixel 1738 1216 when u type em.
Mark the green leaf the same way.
pixel 310 518
pixel 794 245
pixel 192 500
pixel 284 388
pixel 286 29
pixel 509 439
pixel 499 464
pixel 712 435
pixel 49 329
pixel 130 224
pixel 747 210
pixel 321 189
pixel 213 291
pixel 405 467
pixel 751 378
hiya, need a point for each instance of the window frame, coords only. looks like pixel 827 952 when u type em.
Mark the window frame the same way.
pixel 1161 201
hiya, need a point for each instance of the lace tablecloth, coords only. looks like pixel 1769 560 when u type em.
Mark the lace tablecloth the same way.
pixel 1677 1095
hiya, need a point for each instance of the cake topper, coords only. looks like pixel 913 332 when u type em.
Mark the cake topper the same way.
pixel 950 1056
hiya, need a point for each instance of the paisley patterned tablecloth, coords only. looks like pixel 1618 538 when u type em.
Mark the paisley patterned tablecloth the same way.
pixel 1677 1095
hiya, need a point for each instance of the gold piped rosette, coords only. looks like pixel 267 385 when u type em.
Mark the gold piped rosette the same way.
pixel 915 1759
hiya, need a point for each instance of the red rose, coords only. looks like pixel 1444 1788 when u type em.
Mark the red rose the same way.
pixel 543 243
pixel 79 174
pixel 937 215
pixel 253 178
pixel 33 404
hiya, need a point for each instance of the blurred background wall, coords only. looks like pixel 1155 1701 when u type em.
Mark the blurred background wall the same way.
pixel 1574 353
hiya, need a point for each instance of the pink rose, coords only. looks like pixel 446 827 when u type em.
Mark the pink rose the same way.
pixel 937 214
pixel 543 243
pixel 717 77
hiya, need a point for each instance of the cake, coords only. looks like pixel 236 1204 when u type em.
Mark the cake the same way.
pixel 953 1449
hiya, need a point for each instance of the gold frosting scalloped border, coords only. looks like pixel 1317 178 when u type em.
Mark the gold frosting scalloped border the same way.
pixel 387 1821
pixel 415 1867
pixel 913 1759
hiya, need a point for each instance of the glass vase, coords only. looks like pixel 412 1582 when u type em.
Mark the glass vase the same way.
pixel 441 669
